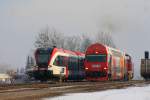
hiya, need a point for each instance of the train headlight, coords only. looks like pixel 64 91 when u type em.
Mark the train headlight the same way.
pixel 62 70
pixel 86 68
pixel 105 68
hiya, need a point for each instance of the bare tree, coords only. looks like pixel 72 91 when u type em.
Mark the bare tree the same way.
pixel 73 43
pixel 86 41
pixel 30 62
pixel 105 38
pixel 100 37
pixel 42 41
pixel 49 38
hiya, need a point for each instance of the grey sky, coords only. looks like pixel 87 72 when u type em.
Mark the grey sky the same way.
pixel 21 20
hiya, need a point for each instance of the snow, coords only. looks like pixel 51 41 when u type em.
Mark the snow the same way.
pixel 132 93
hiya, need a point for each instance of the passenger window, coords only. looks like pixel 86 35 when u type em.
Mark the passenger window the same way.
pixel 56 61
pixel 59 61
pixel 73 63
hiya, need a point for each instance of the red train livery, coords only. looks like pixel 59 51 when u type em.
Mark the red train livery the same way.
pixel 105 63
pixel 55 63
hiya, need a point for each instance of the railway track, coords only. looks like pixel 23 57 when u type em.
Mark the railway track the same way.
pixel 57 84
pixel 40 90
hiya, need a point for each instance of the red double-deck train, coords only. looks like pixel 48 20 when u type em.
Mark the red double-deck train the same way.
pixel 105 63
pixel 55 63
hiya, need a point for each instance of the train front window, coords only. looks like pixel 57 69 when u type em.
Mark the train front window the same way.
pixel 96 58
pixel 59 61
pixel 43 56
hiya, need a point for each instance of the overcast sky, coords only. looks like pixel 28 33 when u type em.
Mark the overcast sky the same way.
pixel 21 20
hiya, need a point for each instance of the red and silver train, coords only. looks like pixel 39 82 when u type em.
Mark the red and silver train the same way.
pixel 105 63
pixel 55 63
pixel 99 62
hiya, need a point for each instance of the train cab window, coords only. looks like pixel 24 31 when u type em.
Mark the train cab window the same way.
pixel 42 56
pixel 59 61
pixel 96 58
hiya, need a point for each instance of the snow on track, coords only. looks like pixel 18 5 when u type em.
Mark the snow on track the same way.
pixel 132 93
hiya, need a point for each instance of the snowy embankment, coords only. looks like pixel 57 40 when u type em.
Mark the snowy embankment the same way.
pixel 132 93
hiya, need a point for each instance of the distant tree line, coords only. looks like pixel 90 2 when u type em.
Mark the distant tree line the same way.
pixel 51 37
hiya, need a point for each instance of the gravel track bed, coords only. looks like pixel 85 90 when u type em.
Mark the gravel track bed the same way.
pixel 36 91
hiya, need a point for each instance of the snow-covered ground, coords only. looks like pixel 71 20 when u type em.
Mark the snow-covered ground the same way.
pixel 132 93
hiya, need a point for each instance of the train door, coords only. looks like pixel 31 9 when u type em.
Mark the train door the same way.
pixel 72 68
pixel 75 68
pixel 66 65
pixel 113 65
pixel 81 69
pixel 115 68
pixel 118 68
pixel 125 69
pixel 109 67
pixel 122 67
pixel 59 66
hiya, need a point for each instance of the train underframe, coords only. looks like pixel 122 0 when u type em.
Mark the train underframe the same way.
pixel 104 76
pixel 46 75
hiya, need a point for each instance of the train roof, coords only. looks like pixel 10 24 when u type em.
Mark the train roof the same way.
pixel 78 53
pixel 71 52
pixel 101 48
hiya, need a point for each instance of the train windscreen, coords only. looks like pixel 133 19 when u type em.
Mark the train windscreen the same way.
pixel 43 57
pixel 96 58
